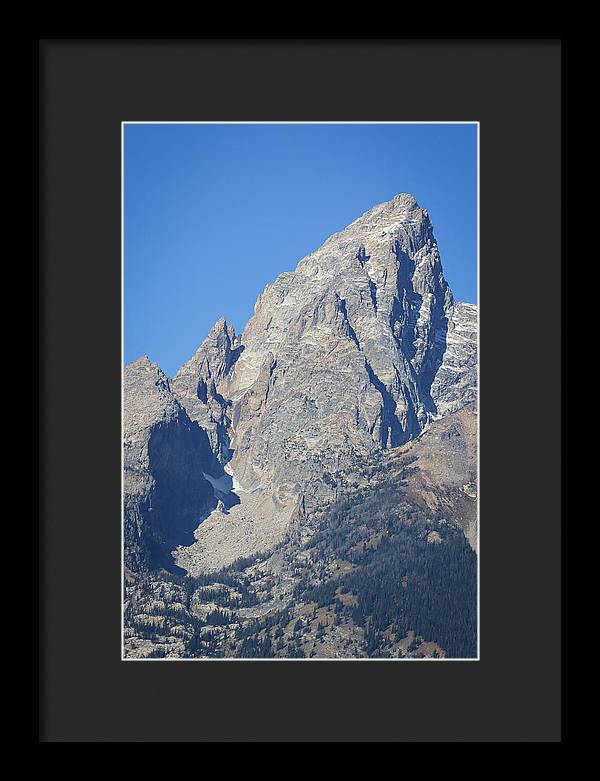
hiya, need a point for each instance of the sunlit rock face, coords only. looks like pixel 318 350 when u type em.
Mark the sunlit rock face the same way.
pixel 455 383
pixel 196 386
pixel 341 355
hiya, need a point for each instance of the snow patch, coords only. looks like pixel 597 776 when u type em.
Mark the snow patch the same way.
pixel 222 485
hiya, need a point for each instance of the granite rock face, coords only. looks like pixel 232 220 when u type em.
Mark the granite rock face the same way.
pixel 341 355
pixel 196 386
pixel 455 383
pixel 164 456
pixel 357 351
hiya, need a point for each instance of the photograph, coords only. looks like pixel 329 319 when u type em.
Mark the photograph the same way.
pixel 300 394
pixel 286 274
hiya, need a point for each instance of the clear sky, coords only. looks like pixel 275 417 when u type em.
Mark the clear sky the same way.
pixel 213 213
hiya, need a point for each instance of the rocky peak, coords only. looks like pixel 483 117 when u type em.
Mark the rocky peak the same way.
pixel 147 395
pixel 356 334
pixel 164 456
pixel 214 357
pixel 197 384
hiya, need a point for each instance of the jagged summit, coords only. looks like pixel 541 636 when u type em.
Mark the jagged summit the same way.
pixel 341 354
pixel 401 206
pixel 399 219
pixel 213 358
pixel 220 329
pixel 143 362
pixel 147 391
pixel 197 382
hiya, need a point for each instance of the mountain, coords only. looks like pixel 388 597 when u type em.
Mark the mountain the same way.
pixel 196 383
pixel 341 354
pixel 359 356
pixel 164 455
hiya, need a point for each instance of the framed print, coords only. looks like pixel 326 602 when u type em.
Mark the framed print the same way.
pixel 306 473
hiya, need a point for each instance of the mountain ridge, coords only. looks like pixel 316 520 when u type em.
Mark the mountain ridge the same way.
pixel 359 349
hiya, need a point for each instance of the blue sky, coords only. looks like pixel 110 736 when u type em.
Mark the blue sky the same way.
pixel 213 213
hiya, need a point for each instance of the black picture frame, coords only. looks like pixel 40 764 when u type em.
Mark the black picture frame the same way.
pixel 86 89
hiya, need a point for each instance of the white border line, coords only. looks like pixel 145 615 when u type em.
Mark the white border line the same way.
pixel 299 122
pixel 122 584
pixel 478 408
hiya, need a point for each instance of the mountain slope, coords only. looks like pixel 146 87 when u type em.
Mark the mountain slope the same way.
pixel 164 457
pixel 382 570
